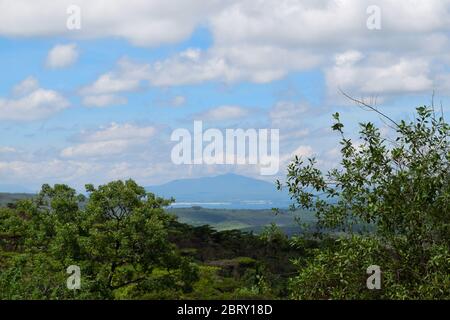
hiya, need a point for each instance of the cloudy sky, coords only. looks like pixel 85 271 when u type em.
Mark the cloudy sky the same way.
pixel 100 102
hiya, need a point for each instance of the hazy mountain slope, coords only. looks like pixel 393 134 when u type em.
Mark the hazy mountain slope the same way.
pixel 226 190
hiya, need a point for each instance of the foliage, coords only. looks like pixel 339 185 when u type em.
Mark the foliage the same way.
pixel 128 247
pixel 118 237
pixel 388 204
pixel 400 188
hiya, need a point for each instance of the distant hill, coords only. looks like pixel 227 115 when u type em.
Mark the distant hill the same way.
pixel 243 219
pixel 6 198
pixel 223 191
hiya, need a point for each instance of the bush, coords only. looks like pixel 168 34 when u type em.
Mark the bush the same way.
pixel 399 191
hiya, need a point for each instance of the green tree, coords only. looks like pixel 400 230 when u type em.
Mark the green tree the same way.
pixel 127 234
pixel 397 189
pixel 117 235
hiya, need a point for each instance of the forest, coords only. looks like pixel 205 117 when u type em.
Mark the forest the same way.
pixel 387 204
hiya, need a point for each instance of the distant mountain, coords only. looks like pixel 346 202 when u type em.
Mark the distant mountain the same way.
pixel 224 191
pixel 6 198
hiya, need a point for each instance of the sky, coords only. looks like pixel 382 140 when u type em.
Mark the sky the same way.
pixel 90 91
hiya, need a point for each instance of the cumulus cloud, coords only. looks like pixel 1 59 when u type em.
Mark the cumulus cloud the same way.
pixel 178 101
pixel 36 172
pixel 30 102
pixel 127 77
pixel 95 148
pixel 169 100
pixel 27 86
pixel 106 90
pixel 329 23
pixel 443 82
pixel 103 100
pixel 378 74
pixel 253 41
pixel 413 37
pixel 259 64
pixel 277 37
pixel 303 129
pixel 283 23
pixel 223 113
pixel 287 113
pixel 178 70
pixel 348 58
pixel 142 22
pixel 291 117
pixel 303 151
pixel 61 56
pixel 7 149
pixel 114 139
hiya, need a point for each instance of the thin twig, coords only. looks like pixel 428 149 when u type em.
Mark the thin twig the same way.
pixel 362 103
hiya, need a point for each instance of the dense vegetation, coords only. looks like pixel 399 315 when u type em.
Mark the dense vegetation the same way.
pixel 388 204
pixel 399 185
pixel 128 247
pixel 246 220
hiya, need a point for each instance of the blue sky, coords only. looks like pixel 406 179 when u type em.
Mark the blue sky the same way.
pixel 100 102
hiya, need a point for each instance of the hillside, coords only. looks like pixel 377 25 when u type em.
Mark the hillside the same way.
pixel 240 219
pixel 218 219
pixel 6 198
pixel 229 191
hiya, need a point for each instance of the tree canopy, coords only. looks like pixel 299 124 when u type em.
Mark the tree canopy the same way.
pixel 391 197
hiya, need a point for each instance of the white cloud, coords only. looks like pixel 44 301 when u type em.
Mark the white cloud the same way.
pixel 223 113
pixel 286 114
pixel 111 83
pixel 443 82
pixel 280 23
pixel 348 58
pixel 255 41
pixel 178 101
pixel 327 23
pixel 34 173
pixel 292 119
pixel 103 100
pixel 302 151
pixel 7 150
pixel 378 74
pixel 127 77
pixel 27 86
pixel 61 56
pixel 96 148
pixel 142 22
pixel 122 131
pixel 188 67
pixel 259 64
pixel 31 102
pixel 277 37
pixel 170 100
pixel 112 140
pixel 412 31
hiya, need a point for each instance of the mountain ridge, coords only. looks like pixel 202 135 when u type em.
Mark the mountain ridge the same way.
pixel 227 190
